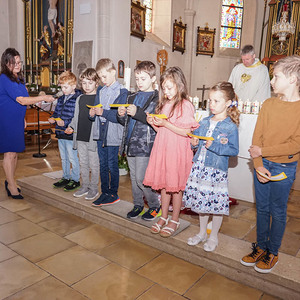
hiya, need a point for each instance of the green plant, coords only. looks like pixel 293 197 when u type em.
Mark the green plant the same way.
pixel 122 162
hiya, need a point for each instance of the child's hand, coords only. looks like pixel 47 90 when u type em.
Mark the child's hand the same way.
pixel 92 112
pixel 69 130
pixel 98 111
pixel 122 111
pixel 194 141
pixel 51 120
pixel 159 122
pixel 264 171
pixel 131 110
pixel 208 144
pixel 150 119
pixel 60 123
pixel 254 151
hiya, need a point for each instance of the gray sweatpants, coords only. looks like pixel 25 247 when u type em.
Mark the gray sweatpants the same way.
pixel 89 161
pixel 138 166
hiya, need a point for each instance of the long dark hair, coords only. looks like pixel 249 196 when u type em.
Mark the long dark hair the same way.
pixel 176 75
pixel 7 58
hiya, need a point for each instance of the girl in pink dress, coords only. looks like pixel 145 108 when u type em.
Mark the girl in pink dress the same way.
pixel 171 157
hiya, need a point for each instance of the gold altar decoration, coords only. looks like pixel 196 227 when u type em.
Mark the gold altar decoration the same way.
pixel 277 48
pixel 48 41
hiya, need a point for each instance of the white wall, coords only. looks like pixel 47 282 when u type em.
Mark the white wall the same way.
pixel 4 31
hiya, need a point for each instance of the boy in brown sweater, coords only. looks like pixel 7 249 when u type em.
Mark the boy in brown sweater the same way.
pixel 275 149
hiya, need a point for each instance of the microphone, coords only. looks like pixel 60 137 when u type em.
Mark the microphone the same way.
pixel 58 95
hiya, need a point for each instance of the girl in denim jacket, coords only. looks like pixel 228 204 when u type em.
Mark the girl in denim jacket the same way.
pixel 206 192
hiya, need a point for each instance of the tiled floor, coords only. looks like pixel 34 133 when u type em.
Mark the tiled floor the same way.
pixel 46 253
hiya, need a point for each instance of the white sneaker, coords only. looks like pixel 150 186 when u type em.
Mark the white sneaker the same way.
pixel 91 195
pixel 81 192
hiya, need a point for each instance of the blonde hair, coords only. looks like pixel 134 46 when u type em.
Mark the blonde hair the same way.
pixel 67 77
pixel 176 75
pixel 105 63
pixel 290 65
pixel 227 90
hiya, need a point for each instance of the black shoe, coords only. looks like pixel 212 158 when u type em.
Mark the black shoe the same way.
pixel 72 185
pixel 61 183
pixel 151 214
pixel 100 199
pixel 110 199
pixel 135 212
pixel 9 194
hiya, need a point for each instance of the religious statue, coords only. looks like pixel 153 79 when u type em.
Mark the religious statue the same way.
pixel 45 43
pixel 162 59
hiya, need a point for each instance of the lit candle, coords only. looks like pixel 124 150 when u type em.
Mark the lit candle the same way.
pixel 127 74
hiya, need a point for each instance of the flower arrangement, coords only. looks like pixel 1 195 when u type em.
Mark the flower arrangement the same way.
pixel 122 162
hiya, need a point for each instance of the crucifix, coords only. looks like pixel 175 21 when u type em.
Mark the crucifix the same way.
pixel 203 89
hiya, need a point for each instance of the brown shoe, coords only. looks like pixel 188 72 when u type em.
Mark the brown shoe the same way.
pixel 267 263
pixel 252 258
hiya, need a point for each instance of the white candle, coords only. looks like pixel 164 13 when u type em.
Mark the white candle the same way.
pixel 247 107
pixel 127 74
pixel 240 105
pixel 196 102
pixel 255 107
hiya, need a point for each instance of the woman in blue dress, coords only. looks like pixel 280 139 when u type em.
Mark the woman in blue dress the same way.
pixel 12 114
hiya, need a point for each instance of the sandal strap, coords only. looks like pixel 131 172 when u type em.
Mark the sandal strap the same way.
pixel 168 230
pixel 165 220
pixel 177 223
pixel 156 226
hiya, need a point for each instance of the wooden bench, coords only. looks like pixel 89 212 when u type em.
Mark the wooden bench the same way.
pixel 31 118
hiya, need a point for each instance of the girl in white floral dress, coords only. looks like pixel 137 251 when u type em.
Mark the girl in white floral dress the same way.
pixel 206 192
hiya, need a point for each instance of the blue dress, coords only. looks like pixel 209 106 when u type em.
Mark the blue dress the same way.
pixel 12 115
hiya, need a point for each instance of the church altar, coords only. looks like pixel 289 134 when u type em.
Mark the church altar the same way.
pixel 240 171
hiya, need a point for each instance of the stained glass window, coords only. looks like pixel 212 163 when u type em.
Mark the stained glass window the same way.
pixel 149 12
pixel 231 23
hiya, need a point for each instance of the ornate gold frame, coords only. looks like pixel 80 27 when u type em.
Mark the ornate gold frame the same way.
pixel 33 24
pixel 205 41
pixel 179 30
pixel 138 18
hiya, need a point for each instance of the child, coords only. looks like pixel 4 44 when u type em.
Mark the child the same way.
pixel 171 157
pixel 139 137
pixel 206 190
pixel 108 132
pixel 64 110
pixel 275 149
pixel 81 126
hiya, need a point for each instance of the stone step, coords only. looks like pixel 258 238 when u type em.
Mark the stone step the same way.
pixel 283 281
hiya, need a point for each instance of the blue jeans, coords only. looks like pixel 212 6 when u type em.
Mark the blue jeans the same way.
pixel 108 157
pixel 271 205
pixel 69 155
